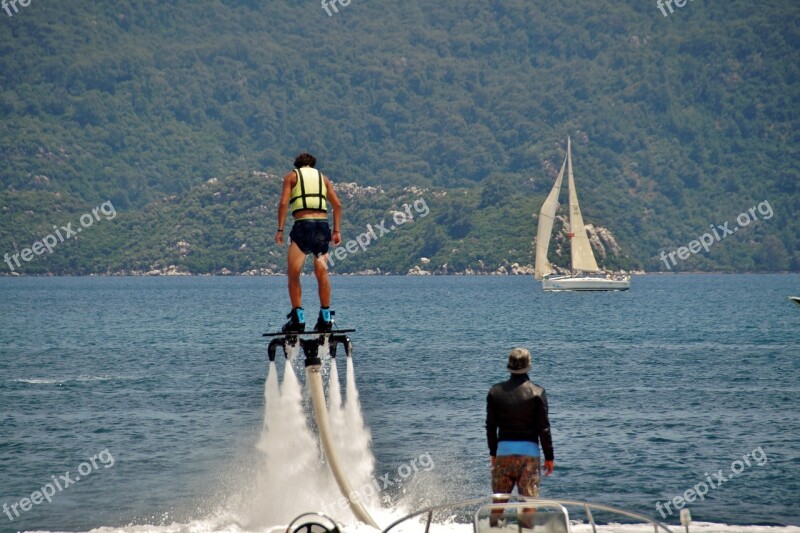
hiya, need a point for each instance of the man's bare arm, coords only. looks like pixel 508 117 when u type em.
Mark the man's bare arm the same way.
pixel 283 207
pixel 336 205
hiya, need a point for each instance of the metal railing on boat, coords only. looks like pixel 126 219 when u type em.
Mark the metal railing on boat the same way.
pixel 522 503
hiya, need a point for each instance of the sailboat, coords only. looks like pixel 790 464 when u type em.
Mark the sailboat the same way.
pixel 585 274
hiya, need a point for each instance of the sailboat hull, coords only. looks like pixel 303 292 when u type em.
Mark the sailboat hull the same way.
pixel 585 283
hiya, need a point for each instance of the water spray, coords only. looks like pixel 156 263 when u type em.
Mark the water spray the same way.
pixel 313 349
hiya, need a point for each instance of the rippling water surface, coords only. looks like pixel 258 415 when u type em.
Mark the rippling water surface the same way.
pixel 651 391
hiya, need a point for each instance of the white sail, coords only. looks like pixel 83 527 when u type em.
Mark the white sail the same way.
pixel 547 217
pixel 582 255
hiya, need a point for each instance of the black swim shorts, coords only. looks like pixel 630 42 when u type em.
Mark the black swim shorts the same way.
pixel 311 235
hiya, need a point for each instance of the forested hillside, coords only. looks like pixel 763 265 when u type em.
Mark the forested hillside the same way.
pixel 679 123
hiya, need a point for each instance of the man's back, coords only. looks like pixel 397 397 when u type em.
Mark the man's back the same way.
pixel 516 409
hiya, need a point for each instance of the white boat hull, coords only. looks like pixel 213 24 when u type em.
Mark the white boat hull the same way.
pixel 582 257
pixel 585 283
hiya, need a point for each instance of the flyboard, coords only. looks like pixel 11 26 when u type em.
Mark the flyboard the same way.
pixel 313 366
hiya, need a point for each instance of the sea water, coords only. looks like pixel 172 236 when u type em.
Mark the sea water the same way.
pixel 652 392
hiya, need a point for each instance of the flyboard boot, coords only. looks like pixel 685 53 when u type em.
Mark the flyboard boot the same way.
pixel 325 320
pixel 297 321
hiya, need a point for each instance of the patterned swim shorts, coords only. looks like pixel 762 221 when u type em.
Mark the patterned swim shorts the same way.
pixel 519 470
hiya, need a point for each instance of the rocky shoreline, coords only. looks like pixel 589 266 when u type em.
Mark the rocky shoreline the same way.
pixel 514 269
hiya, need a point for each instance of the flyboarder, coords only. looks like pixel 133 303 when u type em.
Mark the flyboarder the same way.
pixel 308 192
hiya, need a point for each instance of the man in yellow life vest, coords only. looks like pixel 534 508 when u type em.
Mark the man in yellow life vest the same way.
pixel 308 192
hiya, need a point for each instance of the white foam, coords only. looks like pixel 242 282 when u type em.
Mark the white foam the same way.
pixel 42 381
pixel 54 381
pixel 203 526
pixel 357 451
pixel 290 478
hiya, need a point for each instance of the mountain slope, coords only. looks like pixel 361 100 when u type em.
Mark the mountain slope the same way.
pixel 678 122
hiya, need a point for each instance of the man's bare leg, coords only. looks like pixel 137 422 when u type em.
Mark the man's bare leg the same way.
pixel 527 518
pixel 497 513
pixel 295 266
pixel 495 517
pixel 323 285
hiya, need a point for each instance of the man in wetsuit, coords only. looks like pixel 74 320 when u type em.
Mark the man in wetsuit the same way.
pixel 308 192
pixel 516 423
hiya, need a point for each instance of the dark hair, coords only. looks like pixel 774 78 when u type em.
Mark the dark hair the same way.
pixel 305 160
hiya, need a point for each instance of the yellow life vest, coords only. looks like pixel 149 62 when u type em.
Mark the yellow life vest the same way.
pixel 310 191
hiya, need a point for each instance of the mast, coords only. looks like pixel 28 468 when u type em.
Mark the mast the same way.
pixel 582 255
pixel 547 216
